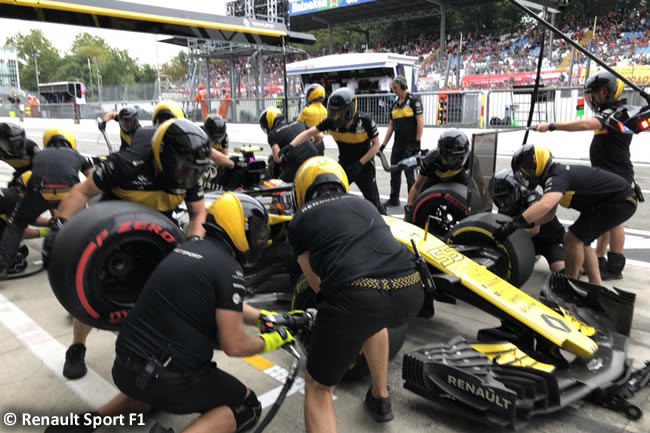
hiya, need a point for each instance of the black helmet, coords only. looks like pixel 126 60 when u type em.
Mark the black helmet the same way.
pixel 506 193
pixel 314 92
pixel 530 164
pixel 453 147
pixel 181 153
pixel 12 139
pixel 341 107
pixel 601 90
pixel 243 222
pixel 128 119
pixel 215 127
pixel 270 118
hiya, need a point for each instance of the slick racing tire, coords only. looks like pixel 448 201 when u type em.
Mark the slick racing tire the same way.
pixel 304 297
pixel 103 256
pixel 514 257
pixel 443 205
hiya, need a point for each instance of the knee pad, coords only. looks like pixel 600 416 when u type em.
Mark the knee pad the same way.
pixel 615 262
pixel 247 412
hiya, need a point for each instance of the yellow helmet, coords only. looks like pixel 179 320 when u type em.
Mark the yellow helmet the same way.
pixel 165 110
pixel 315 172
pixel 314 92
pixel 270 118
pixel 244 222
pixel 531 164
pixel 55 137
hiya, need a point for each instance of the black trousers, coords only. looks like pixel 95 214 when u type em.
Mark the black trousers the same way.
pixel 401 151
pixel 26 211
pixel 367 183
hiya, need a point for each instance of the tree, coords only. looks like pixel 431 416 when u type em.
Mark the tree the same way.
pixel 177 67
pixel 49 60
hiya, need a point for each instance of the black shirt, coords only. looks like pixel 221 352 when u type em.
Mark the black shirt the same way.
pixel 58 167
pixel 584 187
pixel 610 148
pixel 178 304
pixel 23 163
pixel 355 141
pixel 550 233
pixel 8 199
pixel 130 175
pixel 143 136
pixel 403 117
pixel 347 239
pixel 284 133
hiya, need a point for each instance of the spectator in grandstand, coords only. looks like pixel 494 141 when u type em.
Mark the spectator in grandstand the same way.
pixel 407 121
pixel 609 150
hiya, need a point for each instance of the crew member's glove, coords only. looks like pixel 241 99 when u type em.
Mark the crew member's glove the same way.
pixel 354 170
pixel 275 339
pixel 408 213
pixel 506 229
pixel 55 225
pixel 382 147
pixel 102 126
pixel 260 319
pixel 284 151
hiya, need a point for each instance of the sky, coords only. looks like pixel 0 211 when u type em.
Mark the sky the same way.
pixel 146 50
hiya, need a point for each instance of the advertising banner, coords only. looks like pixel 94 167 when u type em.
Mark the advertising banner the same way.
pixel 299 7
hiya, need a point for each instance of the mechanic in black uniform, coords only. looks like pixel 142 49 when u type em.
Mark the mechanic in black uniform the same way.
pixel 449 162
pixel 280 133
pixel 609 150
pixel 9 198
pixel 512 199
pixel 16 149
pixel 407 120
pixel 215 128
pixel 357 138
pixel 180 328
pixel 365 281
pixel 604 200
pixel 127 118
pixel 163 111
pixel 54 171
pixel 160 176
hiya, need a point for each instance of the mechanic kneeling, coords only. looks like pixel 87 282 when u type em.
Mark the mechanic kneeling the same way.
pixel 512 199
pixel 193 301
pixel 449 162
pixel 366 281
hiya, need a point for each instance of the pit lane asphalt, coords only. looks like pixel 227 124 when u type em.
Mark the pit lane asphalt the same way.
pixel 36 330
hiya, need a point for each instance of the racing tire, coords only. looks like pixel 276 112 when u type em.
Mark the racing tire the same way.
pixel 304 297
pixel 517 253
pixel 103 256
pixel 446 202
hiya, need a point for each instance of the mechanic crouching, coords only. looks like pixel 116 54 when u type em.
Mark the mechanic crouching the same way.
pixel 604 200
pixel 365 281
pixel 192 302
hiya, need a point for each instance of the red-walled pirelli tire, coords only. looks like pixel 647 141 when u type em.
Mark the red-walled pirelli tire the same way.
pixel 516 254
pixel 304 297
pixel 445 202
pixel 103 256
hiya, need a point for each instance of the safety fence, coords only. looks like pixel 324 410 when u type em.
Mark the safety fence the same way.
pixel 466 109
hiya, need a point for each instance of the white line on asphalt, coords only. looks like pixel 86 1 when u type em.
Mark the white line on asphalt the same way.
pixel 92 388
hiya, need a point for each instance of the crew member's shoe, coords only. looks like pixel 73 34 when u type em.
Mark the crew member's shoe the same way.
pixel 602 266
pixel 614 268
pixel 379 408
pixel 157 428
pixel 393 202
pixel 75 365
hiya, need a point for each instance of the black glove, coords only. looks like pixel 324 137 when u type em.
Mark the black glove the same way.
pixel 382 147
pixel 354 170
pixel 408 213
pixel 55 225
pixel 102 126
pixel 508 228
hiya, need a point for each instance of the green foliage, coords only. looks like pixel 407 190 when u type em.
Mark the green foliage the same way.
pixel 176 68
pixel 49 60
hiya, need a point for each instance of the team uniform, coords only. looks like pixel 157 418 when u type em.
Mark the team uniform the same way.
pixel 610 148
pixel 404 121
pixel 179 328
pixel 54 172
pixel 130 175
pixel 353 143
pixel 221 144
pixel 368 280
pixel 603 199
pixel 282 135
pixel 22 163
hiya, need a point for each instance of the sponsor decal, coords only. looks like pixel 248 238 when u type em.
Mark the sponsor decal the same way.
pixel 481 392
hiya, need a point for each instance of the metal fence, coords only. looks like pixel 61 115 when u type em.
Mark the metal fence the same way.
pixel 124 93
